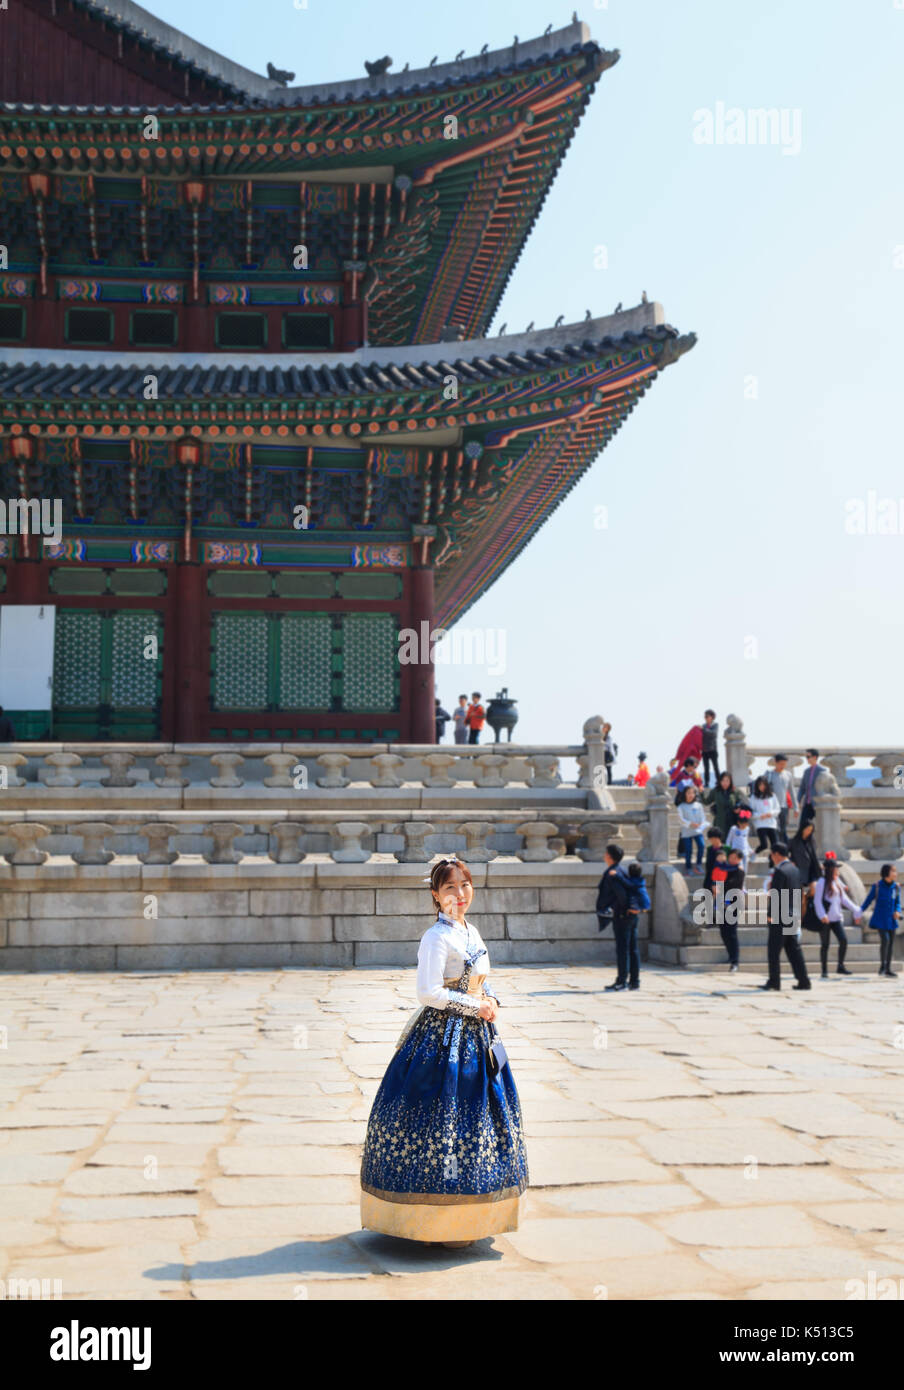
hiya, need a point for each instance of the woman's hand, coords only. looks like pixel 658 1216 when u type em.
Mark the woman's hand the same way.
pixel 824 921
pixel 488 1009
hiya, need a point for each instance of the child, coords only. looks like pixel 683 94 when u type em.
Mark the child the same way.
pixel 638 897
pixel 475 718
pixel 734 896
pixel 886 914
pixel 642 775
pixel 737 836
pixel 712 853
pixel 693 825
pixel 766 811
pixel 460 716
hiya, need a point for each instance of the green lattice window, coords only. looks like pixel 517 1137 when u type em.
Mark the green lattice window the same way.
pixel 107 673
pixel 305 661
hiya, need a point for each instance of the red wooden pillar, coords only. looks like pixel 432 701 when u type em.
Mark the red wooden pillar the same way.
pixel 421 682
pixel 191 653
pixel 26 580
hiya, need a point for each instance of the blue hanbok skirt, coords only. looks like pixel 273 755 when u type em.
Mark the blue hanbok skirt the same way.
pixel 444 1157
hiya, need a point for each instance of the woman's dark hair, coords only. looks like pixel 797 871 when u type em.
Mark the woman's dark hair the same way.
pixel 829 871
pixel 722 776
pixel 685 791
pixel 885 870
pixel 442 872
pixel 761 781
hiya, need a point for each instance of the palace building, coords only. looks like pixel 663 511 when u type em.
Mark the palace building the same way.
pixel 244 360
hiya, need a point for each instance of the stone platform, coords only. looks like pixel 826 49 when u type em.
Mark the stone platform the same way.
pixel 198 1135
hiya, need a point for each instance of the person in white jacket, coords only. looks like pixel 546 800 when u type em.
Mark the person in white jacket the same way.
pixel 693 827
pixel 766 811
pixel 829 901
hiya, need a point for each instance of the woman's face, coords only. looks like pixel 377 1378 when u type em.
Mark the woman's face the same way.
pixel 807 831
pixel 455 895
pixel 725 781
pixel 690 795
pixel 893 874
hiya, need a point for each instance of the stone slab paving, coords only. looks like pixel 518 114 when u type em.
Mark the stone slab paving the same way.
pixel 184 1135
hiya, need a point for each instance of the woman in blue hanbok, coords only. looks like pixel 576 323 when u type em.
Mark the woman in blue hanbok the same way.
pixel 886 914
pixel 444 1157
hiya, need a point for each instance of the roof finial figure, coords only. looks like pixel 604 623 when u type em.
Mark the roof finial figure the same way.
pixel 279 75
pixel 530 327
pixel 502 330
pixel 485 48
pixel 559 321
pixel 434 60
pixel 547 30
pixel 643 298
pixel 459 55
pixel 618 307
pixel 588 316
pixel 378 68
pixel 406 67
pixel 574 17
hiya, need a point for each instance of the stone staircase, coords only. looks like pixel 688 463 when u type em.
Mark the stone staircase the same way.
pixel 708 952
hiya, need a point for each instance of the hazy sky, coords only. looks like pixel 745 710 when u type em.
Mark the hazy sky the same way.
pixel 730 573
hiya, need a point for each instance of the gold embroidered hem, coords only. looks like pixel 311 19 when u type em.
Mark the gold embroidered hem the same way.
pixel 422 1217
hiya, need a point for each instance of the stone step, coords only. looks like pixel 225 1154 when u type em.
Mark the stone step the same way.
pixel 696 954
pixel 757 934
pixel 860 960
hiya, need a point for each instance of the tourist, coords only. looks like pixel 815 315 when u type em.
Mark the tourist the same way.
pixel 781 783
pixel 685 776
pixel 691 746
pixel 808 781
pixel 734 902
pixel 460 720
pixel 802 849
pixel 476 718
pixel 829 899
pixel 765 808
pixel 693 824
pixel 714 848
pixel 610 751
pixel 612 904
pixel 442 719
pixel 886 915
pixel 724 801
pixel 642 775
pixel 638 902
pixel 783 889
pixel 444 1156
pixel 738 836
pixel 709 730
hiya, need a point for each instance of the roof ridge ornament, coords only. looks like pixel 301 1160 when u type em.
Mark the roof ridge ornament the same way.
pixel 279 75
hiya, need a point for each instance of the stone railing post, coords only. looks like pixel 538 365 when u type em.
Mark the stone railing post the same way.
pixel 8 764
pixel 827 825
pixel 119 762
pixel 59 773
pixel 885 840
pixel 439 769
pixel 536 848
pixel 598 834
pixel 281 765
pixel 545 769
pixel 385 768
pixel 838 764
pixel 335 764
pixel 93 834
pixel 593 767
pixel 350 849
pixel 476 833
pixel 656 849
pixel 891 770
pixel 415 851
pixel 287 835
pixel 223 833
pixel 488 771
pixel 736 760
pixel 26 835
pixel 158 834
pixel 227 766
pixel 172 764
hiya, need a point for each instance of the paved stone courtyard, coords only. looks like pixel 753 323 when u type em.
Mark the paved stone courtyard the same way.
pixel 197 1135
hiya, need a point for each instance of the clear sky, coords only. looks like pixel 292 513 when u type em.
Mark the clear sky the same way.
pixel 730 572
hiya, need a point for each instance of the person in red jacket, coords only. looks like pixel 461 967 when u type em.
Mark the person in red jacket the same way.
pixel 475 718
pixel 642 775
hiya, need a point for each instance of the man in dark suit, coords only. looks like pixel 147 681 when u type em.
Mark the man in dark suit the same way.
pixel 784 920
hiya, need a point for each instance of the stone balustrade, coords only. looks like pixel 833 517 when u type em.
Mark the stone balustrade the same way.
pixel 889 762
pixel 275 838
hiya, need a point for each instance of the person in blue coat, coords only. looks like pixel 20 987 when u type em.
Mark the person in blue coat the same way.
pixel 886 914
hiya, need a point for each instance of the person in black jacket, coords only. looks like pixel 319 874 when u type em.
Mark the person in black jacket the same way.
pixel 612 903
pixel 442 718
pixel 784 920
